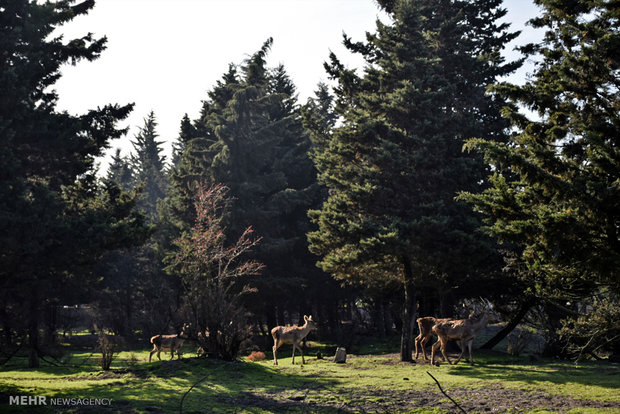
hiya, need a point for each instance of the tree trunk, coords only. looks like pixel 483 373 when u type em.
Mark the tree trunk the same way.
pixel 446 303
pixel 409 313
pixel 379 317
pixel 280 315
pixel 33 330
pixel 334 320
pixel 516 319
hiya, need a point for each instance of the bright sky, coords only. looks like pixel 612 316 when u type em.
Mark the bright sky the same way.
pixel 164 55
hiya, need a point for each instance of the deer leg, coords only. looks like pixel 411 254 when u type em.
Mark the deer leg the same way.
pixel 151 354
pixel 436 345
pixel 276 345
pixel 444 345
pixel 418 339
pixel 158 352
pixel 301 351
pixel 463 346
pixel 423 343
pixel 471 355
pixel 294 353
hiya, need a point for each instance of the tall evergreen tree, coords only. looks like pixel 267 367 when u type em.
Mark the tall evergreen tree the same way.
pixel 186 134
pixel 55 220
pixel 396 163
pixel 119 171
pixel 148 165
pixel 249 137
pixel 555 186
pixel 197 141
pixel 262 156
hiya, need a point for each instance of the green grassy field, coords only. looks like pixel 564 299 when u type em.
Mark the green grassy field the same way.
pixel 366 383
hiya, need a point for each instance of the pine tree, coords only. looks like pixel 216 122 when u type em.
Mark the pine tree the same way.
pixel 555 187
pixel 249 137
pixel 56 220
pixel 396 163
pixel 555 190
pixel 262 157
pixel 119 172
pixel 186 134
pixel 148 166
pixel 198 143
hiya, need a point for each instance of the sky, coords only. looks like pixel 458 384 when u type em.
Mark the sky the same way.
pixel 165 55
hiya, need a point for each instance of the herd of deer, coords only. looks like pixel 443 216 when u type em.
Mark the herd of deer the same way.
pixel 462 330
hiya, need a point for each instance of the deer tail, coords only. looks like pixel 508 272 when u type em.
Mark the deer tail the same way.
pixel 155 338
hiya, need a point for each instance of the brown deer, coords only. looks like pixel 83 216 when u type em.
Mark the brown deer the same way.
pixel 462 330
pixel 425 325
pixel 291 335
pixel 172 343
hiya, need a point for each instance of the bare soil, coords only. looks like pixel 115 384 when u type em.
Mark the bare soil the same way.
pixel 494 399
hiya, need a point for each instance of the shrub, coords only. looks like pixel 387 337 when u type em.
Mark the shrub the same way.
pixel 256 356
pixel 517 342
pixel 108 348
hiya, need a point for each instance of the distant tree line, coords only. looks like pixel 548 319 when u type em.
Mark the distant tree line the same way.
pixel 402 190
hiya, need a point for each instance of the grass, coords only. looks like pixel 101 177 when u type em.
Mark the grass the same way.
pixel 368 382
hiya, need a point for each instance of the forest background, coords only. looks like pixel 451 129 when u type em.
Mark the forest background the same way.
pixel 413 186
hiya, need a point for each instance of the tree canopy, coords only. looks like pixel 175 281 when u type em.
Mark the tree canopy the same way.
pixel 395 165
pixel 55 218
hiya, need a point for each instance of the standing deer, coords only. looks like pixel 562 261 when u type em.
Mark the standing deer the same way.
pixel 426 333
pixel 291 335
pixel 173 343
pixel 462 330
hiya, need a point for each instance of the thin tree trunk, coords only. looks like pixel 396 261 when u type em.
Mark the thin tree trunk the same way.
pixel 379 317
pixel 512 324
pixel 33 330
pixel 409 313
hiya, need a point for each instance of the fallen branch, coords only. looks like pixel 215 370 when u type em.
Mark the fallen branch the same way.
pixel 443 392
pixel 187 392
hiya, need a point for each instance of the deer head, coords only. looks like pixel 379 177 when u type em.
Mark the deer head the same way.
pixel 310 322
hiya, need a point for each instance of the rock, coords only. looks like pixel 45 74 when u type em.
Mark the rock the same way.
pixel 341 356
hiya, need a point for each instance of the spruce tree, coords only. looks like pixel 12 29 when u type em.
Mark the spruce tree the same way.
pixel 119 171
pixel 249 137
pixel 186 134
pixel 396 163
pixel 555 187
pixel 263 159
pixel 196 145
pixel 148 166
pixel 56 220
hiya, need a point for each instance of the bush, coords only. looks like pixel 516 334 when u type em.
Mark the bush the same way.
pixel 517 342
pixel 107 349
pixel 256 356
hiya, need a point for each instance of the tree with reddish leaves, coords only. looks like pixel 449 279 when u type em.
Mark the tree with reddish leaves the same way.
pixel 216 275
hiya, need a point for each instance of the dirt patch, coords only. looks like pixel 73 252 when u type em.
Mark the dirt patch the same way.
pixel 491 399
pixel 495 398
pixel 106 375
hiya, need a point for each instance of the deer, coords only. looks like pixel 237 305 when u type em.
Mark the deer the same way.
pixel 291 335
pixel 462 330
pixel 173 343
pixel 425 326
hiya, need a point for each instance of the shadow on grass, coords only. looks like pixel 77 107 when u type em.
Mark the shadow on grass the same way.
pixel 510 369
pixel 237 385
pixel 160 386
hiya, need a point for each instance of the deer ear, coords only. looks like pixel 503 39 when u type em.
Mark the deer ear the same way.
pixel 305 317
